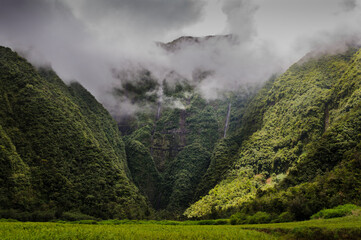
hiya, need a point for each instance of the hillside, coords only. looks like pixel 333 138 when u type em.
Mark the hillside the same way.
pixel 300 128
pixel 169 143
pixel 291 147
pixel 304 155
pixel 61 152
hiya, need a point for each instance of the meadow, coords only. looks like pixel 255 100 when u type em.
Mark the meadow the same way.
pixel 318 229
pixel 348 227
pixel 31 230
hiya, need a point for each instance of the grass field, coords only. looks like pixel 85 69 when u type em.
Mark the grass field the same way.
pixel 328 229
pixel 333 223
pixel 28 230
pixel 319 229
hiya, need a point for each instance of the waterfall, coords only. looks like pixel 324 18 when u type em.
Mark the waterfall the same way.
pixel 227 120
pixel 158 111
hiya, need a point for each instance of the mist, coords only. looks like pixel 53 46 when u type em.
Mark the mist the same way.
pixel 89 41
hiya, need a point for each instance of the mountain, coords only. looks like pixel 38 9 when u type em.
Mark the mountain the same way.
pixel 304 153
pixel 170 140
pixel 288 148
pixel 169 143
pixel 186 41
pixel 278 140
pixel 61 152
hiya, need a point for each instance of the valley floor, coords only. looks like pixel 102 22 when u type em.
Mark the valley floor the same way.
pixel 320 229
pixel 337 228
pixel 30 230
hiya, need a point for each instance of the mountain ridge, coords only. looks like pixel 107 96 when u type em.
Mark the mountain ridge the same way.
pixel 283 148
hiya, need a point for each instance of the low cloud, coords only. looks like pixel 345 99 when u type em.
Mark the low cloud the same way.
pixel 89 40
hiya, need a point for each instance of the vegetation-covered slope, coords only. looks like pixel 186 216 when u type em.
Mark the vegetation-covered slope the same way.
pixel 170 142
pixel 309 123
pixel 60 149
pixel 289 150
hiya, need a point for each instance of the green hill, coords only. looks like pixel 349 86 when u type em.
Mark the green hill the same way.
pixel 61 152
pixel 304 156
pixel 289 148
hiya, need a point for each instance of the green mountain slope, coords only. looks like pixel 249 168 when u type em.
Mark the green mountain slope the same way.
pixel 60 149
pixel 170 142
pixel 291 148
pixel 309 131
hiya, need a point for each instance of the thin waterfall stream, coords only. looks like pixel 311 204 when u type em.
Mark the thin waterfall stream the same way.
pixel 227 120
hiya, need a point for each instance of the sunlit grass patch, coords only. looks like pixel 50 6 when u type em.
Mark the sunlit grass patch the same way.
pixel 125 231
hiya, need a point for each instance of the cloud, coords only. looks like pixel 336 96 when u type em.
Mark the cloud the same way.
pixel 135 23
pixel 349 5
pixel 240 17
pixel 87 40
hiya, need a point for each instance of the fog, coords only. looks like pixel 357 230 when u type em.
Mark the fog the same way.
pixel 88 40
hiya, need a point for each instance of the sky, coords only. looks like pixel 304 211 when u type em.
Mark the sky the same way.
pixel 86 40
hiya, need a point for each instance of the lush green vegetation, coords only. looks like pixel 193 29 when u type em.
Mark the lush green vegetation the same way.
pixel 169 148
pixel 292 148
pixel 264 217
pixel 339 211
pixel 61 149
pixel 129 231
pixel 61 153
pixel 337 228
pixel 320 229
pixel 305 135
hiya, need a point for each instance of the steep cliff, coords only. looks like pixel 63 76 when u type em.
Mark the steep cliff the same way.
pixel 61 152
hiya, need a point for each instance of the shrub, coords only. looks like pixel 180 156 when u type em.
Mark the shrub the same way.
pixel 221 222
pixel 76 216
pixel 238 218
pixel 37 216
pixel 339 211
pixel 8 220
pixel 207 222
pixel 259 217
pixel 285 217
pixel 86 222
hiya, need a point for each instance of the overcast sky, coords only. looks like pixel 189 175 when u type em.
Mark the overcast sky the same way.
pixel 84 40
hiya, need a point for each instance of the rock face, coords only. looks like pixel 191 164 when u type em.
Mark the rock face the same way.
pixel 60 151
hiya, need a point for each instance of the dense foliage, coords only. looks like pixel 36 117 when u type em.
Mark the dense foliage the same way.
pixel 307 126
pixel 339 211
pixel 60 150
pixel 277 154
pixel 170 142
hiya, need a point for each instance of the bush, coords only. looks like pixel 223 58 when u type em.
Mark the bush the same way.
pixel 8 220
pixel 221 222
pixel 285 217
pixel 339 211
pixel 37 216
pixel 242 218
pixel 259 217
pixel 86 222
pixel 206 222
pixel 238 218
pixel 76 216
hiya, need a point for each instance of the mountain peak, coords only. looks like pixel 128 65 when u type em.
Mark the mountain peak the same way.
pixel 181 42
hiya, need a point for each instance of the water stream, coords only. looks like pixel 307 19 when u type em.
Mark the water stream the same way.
pixel 158 111
pixel 227 120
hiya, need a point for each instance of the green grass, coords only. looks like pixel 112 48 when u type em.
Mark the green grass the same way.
pixel 31 230
pixel 339 211
pixel 344 222
pixel 318 229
